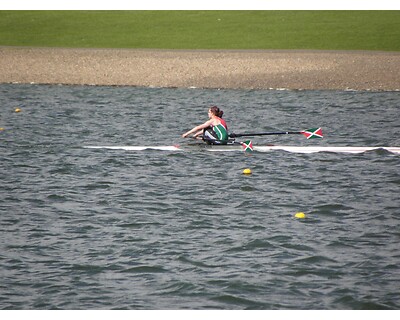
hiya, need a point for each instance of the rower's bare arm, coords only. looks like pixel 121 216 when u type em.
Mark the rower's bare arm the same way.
pixel 198 133
pixel 198 129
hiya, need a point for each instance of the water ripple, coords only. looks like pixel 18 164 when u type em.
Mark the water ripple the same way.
pixel 110 229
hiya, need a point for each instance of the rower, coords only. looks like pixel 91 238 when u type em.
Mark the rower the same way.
pixel 214 130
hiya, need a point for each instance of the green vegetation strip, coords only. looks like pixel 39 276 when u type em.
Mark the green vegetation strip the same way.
pixel 324 30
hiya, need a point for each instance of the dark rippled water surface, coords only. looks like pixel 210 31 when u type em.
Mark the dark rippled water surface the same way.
pixel 113 229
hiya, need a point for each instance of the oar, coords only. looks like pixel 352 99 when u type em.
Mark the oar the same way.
pixel 247 145
pixel 310 133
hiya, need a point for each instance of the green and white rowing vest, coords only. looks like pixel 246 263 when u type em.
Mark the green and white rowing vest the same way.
pixel 221 132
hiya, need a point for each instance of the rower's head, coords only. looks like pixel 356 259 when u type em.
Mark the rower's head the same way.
pixel 214 110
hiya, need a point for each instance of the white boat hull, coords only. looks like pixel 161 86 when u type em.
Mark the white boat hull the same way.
pixel 313 149
pixel 226 148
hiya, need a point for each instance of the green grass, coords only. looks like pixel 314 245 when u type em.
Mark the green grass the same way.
pixel 325 30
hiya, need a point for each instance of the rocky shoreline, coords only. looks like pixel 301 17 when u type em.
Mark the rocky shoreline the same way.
pixel 236 69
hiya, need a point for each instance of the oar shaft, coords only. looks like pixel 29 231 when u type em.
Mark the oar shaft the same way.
pixel 234 135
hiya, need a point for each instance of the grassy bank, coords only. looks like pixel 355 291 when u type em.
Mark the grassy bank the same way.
pixel 325 30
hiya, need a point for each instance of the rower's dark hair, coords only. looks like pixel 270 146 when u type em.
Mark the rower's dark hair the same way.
pixel 216 111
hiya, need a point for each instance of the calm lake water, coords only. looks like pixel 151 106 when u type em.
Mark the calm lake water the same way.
pixel 113 229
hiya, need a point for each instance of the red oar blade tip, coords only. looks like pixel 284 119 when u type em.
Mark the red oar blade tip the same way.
pixel 314 133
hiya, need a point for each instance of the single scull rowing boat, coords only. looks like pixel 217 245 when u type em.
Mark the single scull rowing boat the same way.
pixel 234 145
pixel 227 148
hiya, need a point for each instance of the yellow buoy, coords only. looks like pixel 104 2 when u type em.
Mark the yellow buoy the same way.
pixel 1 129
pixel 17 110
pixel 247 171
pixel 300 215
